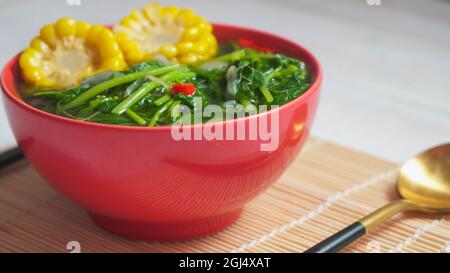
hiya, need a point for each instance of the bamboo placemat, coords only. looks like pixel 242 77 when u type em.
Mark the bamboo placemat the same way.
pixel 325 189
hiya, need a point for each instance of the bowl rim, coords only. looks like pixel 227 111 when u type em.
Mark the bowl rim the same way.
pixel 314 87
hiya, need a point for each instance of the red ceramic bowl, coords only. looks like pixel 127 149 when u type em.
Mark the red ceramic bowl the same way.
pixel 139 182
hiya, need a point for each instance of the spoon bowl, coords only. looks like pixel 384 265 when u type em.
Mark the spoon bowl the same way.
pixel 425 179
pixel 424 185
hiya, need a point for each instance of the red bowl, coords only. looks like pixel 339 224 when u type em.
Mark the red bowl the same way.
pixel 141 183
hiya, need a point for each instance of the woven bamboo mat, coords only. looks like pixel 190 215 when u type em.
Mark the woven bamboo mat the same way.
pixel 326 188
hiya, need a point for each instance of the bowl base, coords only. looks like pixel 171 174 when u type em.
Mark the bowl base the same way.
pixel 165 231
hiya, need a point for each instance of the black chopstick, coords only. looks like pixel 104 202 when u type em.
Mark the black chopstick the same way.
pixel 10 156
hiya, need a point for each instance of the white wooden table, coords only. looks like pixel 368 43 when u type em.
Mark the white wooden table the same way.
pixel 386 89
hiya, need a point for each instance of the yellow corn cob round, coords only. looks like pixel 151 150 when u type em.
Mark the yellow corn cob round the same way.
pixel 67 51
pixel 178 34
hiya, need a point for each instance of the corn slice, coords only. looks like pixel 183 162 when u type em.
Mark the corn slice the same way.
pixel 178 34
pixel 67 51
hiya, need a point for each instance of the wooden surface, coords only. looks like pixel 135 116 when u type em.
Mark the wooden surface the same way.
pixel 386 84
pixel 326 188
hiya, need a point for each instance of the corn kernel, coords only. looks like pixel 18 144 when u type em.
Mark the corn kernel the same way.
pixel 115 63
pixel 33 74
pixel 82 29
pixel 204 26
pixel 39 45
pixel 48 35
pixel 128 45
pixel 92 34
pixel 185 16
pixel 190 34
pixel 169 51
pixel 209 39
pixel 150 10
pixel 137 16
pixel 190 58
pixel 134 56
pixel 195 21
pixel 46 82
pixel 170 11
pixel 105 37
pixel 185 47
pixel 202 57
pixel 109 50
pixel 131 23
pixel 65 27
pixel 200 47
pixel 107 44
pixel 30 58
pixel 148 15
pixel 121 35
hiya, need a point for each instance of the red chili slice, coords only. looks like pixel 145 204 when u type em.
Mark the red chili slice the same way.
pixel 186 88
pixel 245 42
pixel 263 49
pixel 251 44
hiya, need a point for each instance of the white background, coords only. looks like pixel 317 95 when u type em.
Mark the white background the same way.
pixel 386 88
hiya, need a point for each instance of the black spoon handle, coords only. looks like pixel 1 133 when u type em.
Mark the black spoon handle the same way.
pixel 10 156
pixel 339 240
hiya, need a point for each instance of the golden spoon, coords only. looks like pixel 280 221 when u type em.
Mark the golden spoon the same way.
pixel 424 185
